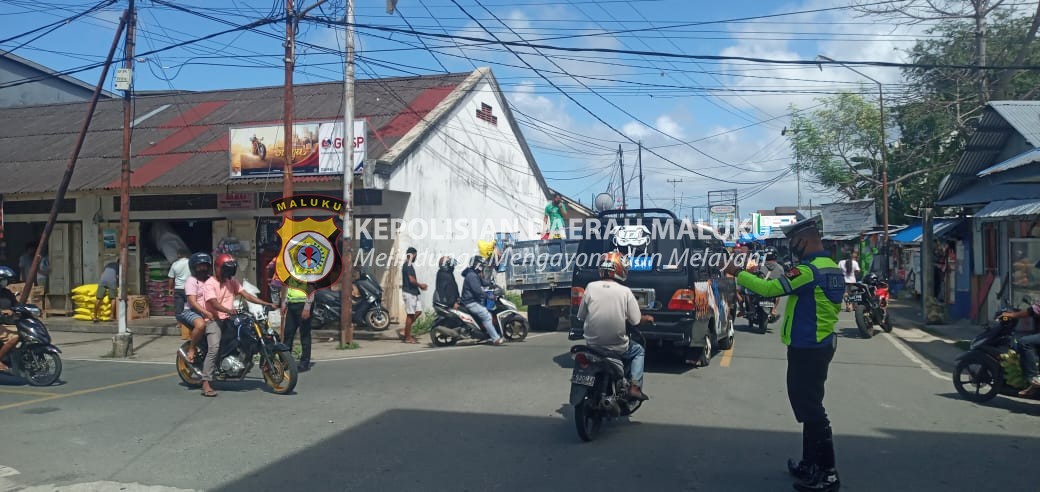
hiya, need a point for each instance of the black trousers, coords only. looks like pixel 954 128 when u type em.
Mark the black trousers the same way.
pixel 806 375
pixel 294 322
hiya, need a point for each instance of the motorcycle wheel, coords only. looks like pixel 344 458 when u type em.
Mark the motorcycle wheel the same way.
pixel 978 378
pixel 440 339
pixel 515 330
pixel 262 151
pixel 887 323
pixel 42 368
pixel 378 319
pixel 587 421
pixel 763 323
pixel 280 373
pixel 866 327
pixel 184 369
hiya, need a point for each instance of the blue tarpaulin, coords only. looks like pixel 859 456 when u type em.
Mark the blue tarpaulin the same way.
pixel 912 234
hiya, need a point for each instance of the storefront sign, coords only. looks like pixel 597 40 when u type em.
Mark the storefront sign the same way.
pixel 236 201
pixel 849 217
pixel 317 149
pixel 298 202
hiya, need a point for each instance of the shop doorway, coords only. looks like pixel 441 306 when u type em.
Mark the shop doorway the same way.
pixel 159 243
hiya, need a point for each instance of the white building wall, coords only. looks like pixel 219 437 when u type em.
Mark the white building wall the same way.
pixel 466 169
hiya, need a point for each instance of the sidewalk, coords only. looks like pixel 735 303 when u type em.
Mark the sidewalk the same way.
pixel 167 326
pixel 940 344
pixel 162 348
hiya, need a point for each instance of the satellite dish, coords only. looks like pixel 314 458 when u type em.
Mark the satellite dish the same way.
pixel 604 202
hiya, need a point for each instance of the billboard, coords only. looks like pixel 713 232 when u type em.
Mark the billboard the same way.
pixel 849 217
pixel 765 225
pixel 317 149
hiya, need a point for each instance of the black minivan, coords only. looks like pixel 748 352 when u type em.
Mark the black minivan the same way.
pixel 674 272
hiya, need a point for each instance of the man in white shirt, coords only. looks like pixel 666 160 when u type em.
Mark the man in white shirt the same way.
pixel 179 273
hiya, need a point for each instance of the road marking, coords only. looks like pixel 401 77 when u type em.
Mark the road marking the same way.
pixel 122 361
pixel 423 351
pixel 6 471
pixel 85 391
pixel 899 345
pixel 19 391
pixel 727 357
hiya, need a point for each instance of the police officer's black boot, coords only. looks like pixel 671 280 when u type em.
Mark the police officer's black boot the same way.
pixel 824 477
pixel 803 469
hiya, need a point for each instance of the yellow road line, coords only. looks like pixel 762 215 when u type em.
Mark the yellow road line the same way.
pixel 19 391
pixel 85 391
pixel 727 357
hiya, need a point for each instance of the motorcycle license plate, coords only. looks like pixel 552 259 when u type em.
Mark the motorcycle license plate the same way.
pixel 583 379
pixel 767 305
pixel 856 298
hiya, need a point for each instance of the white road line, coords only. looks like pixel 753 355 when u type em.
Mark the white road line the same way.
pixel 373 356
pixel 930 369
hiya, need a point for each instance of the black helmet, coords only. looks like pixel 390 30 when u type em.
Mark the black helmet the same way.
pixel 771 255
pixel 448 263
pixel 870 279
pixel 200 259
pixel 477 263
pixel 6 275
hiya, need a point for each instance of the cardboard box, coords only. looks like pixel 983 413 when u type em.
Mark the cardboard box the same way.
pixel 137 307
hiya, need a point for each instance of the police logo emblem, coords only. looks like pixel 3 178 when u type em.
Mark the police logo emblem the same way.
pixel 309 253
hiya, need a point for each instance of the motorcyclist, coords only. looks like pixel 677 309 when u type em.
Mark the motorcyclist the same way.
pixel 608 307
pixel 771 269
pixel 195 314
pixel 447 289
pixel 8 334
pixel 219 293
pixel 1028 346
pixel 473 297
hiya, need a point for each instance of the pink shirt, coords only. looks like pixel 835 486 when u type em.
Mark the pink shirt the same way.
pixel 224 293
pixel 192 287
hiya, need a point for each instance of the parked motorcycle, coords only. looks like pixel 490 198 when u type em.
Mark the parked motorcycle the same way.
pixel 759 309
pixel 983 372
pixel 870 299
pixel 244 336
pixel 599 388
pixel 452 325
pixel 367 311
pixel 34 358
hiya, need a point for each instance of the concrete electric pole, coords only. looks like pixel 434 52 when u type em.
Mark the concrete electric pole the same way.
pixel 123 344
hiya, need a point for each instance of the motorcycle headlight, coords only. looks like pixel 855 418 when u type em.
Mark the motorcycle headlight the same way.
pixel 33 310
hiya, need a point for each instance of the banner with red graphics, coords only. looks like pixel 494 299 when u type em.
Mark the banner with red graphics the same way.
pixel 317 149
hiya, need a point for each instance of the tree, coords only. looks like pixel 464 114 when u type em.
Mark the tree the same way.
pixel 839 145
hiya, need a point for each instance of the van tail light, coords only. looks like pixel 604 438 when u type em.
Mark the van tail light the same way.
pixel 682 300
pixel 577 293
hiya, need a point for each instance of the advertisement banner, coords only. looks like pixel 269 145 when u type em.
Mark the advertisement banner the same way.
pixel 849 217
pixel 317 149
pixel 330 154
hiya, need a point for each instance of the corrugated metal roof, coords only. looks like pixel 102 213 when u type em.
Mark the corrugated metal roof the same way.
pixel 998 122
pixel 1009 209
pixel 35 141
pixel 1025 158
pixel 912 234
pixel 985 190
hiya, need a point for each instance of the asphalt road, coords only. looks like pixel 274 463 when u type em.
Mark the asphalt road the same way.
pixel 496 418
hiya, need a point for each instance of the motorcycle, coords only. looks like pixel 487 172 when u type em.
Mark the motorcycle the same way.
pixel 34 358
pixel 452 325
pixel 367 311
pixel 870 299
pixel 759 309
pixel 599 388
pixel 986 369
pixel 244 336
pixel 259 149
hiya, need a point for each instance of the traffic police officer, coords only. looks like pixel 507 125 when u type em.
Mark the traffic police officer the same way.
pixel 815 287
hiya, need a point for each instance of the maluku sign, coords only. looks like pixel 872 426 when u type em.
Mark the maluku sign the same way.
pixel 317 149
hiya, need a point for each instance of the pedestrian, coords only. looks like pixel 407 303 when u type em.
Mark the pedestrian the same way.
pixel 410 288
pixel 108 286
pixel 447 289
pixel 555 217
pixel 299 297
pixel 816 287
pixel 850 268
pixel 25 263
pixel 178 275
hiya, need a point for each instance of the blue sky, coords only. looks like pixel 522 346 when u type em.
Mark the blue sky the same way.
pixel 720 120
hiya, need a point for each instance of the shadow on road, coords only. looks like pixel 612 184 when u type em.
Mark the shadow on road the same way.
pixel 1009 403
pixel 434 450
pixel 657 361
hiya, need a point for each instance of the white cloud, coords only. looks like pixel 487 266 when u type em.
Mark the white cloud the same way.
pixel 669 126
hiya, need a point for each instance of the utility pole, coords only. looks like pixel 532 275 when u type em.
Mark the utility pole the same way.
pixel 346 329
pixel 63 186
pixel 639 157
pixel 621 164
pixel 122 344
pixel 287 131
pixel 675 199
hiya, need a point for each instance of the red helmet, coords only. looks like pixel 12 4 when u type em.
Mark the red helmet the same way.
pixel 226 266
pixel 614 266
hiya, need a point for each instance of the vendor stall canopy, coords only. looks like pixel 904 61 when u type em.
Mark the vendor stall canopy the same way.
pixel 941 228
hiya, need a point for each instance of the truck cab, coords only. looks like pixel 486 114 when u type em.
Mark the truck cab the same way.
pixel 673 272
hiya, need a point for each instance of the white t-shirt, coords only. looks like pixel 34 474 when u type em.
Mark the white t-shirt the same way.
pixel 850 278
pixel 606 307
pixel 179 272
